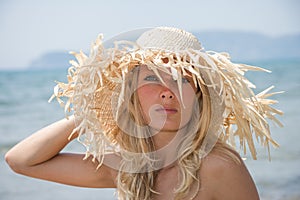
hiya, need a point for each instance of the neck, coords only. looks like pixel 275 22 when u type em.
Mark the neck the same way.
pixel 162 139
pixel 166 143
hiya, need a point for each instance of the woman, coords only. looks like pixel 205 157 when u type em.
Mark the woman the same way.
pixel 156 116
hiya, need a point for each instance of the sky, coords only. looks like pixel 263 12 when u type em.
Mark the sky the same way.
pixel 30 28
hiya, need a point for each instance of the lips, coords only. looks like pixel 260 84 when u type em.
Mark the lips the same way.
pixel 167 110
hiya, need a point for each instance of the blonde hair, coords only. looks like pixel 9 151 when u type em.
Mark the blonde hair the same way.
pixel 139 183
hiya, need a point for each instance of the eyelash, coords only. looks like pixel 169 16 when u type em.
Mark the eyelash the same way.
pixel 154 78
pixel 151 78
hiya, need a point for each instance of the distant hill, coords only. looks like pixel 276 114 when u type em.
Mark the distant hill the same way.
pixel 52 60
pixel 247 46
pixel 242 46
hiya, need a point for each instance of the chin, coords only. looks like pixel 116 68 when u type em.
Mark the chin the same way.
pixel 172 127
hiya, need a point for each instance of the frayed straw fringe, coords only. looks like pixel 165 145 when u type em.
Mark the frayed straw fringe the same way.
pixel 245 115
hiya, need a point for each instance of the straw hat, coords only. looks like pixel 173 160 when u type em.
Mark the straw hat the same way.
pixel 95 88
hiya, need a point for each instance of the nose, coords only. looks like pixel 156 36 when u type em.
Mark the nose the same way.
pixel 166 94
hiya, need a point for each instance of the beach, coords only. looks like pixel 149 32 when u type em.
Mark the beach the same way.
pixel 24 108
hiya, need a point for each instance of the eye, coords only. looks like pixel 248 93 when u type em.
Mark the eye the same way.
pixel 151 78
pixel 185 80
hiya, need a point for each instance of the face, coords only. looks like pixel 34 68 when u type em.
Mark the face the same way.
pixel 162 107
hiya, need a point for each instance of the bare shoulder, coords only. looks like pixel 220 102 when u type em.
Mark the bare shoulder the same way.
pixel 227 178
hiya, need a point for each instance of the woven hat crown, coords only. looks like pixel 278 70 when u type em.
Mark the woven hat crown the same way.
pixel 168 38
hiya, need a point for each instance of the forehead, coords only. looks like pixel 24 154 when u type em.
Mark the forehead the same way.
pixel 165 76
pixel 144 69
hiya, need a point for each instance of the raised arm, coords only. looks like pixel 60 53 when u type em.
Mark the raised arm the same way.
pixel 39 156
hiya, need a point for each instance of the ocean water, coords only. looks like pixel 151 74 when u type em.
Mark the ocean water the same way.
pixel 24 109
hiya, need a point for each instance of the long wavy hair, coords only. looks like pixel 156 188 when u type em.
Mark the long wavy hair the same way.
pixel 139 166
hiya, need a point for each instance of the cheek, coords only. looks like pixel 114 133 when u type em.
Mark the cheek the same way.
pixel 189 96
pixel 144 92
pixel 146 95
pixel 189 106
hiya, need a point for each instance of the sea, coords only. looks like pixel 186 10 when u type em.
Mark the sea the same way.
pixel 24 108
